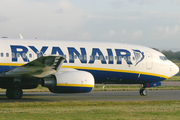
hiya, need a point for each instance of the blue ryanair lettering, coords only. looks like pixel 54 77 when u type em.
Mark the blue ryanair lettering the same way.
pixel 122 53
pixel 41 52
pixel 60 52
pixel 19 50
pixel 93 56
pixel 110 55
pixel 82 56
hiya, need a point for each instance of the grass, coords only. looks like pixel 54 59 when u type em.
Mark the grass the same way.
pixel 174 78
pixel 178 64
pixel 99 110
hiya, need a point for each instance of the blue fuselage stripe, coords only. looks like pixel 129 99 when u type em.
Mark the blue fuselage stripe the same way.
pixel 111 77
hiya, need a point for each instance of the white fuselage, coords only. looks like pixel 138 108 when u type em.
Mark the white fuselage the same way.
pixel 108 62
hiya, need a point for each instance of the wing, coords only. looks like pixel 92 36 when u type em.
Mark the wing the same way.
pixel 40 67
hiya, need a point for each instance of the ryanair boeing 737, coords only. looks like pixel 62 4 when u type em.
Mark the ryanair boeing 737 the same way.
pixel 75 66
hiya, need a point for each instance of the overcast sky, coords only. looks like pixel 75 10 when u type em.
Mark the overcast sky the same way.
pixel 152 23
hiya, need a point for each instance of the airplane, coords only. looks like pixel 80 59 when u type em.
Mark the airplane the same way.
pixel 68 66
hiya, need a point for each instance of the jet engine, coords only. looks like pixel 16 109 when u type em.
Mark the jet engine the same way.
pixel 70 82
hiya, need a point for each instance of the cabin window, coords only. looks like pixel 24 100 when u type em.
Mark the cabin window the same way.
pixel 80 57
pixel 120 58
pixel 2 54
pixel 101 57
pixel 133 58
pixel 18 55
pixel 125 58
pixel 75 56
pixel 91 57
pixel 24 55
pixel 85 57
pixel 70 56
pixel 97 57
pixel 13 55
pixel 7 54
pixel 106 57
pixel 111 58
pixel 30 55
pixel 129 59
pixel 64 56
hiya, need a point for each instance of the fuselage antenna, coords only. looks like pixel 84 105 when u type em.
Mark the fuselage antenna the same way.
pixel 21 37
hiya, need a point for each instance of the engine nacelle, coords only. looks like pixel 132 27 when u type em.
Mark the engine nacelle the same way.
pixel 70 82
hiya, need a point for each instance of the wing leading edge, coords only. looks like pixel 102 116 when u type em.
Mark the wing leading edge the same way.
pixel 40 67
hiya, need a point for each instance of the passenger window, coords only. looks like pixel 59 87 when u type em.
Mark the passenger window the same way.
pixel 120 58
pixel 70 56
pixel 80 57
pixel 115 57
pixel 30 55
pixel 85 57
pixel 18 55
pixel 7 54
pixel 111 57
pixel 13 55
pixel 96 57
pixel 91 57
pixel 75 56
pixel 24 55
pixel 2 54
pixel 64 56
pixel 101 57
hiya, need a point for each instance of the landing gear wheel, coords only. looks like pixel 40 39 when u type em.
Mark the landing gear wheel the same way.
pixel 14 93
pixel 143 92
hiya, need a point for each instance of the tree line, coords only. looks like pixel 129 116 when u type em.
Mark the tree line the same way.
pixel 173 56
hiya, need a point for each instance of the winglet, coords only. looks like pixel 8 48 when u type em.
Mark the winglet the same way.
pixel 21 37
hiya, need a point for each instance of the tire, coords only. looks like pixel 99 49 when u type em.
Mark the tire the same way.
pixel 17 93
pixel 143 92
pixel 14 93
pixel 9 93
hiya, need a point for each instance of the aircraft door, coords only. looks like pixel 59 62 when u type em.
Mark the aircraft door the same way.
pixel 149 60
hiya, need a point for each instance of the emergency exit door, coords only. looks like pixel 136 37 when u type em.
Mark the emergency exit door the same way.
pixel 149 60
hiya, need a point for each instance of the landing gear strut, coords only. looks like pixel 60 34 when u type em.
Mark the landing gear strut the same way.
pixel 143 91
pixel 14 93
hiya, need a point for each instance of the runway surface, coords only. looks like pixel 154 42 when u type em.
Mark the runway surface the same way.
pixel 96 96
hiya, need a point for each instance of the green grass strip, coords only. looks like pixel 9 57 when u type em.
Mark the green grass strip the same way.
pixel 98 110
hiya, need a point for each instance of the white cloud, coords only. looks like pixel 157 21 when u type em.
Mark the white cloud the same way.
pixel 124 31
pixel 111 33
pixel 84 36
pixel 45 19
pixel 172 30
pixel 137 34
pixel 160 28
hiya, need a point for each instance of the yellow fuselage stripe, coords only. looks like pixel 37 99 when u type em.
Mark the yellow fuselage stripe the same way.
pixel 94 68
pixel 115 70
pixel 74 85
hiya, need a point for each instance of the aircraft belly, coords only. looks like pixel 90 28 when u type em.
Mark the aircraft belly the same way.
pixel 109 77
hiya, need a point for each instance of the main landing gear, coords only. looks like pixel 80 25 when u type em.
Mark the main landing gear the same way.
pixel 14 93
pixel 143 91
